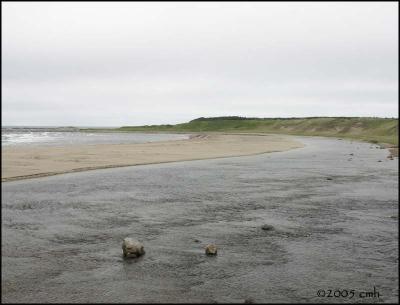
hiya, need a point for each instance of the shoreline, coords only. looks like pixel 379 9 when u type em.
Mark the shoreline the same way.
pixel 21 163
pixel 83 169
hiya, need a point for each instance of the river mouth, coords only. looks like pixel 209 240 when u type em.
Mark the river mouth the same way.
pixel 334 227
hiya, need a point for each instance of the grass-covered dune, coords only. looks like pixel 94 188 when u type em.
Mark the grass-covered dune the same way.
pixel 376 130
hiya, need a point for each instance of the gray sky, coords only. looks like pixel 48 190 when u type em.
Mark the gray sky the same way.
pixel 127 63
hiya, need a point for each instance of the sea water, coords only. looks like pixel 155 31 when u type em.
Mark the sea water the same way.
pixel 56 136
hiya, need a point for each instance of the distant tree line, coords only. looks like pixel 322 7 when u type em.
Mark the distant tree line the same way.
pixel 242 118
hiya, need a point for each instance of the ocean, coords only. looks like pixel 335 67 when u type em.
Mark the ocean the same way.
pixel 61 136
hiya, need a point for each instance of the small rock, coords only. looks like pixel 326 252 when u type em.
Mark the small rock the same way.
pixel 249 301
pixel 351 154
pixel 132 248
pixel 267 227
pixel 196 241
pixel 329 178
pixel 379 160
pixel 211 250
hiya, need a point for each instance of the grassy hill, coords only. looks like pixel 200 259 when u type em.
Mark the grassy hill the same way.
pixel 376 130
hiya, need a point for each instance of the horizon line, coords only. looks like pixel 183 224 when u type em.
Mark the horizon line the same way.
pixel 208 117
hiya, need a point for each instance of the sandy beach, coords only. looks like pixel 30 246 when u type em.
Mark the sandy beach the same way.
pixel 29 162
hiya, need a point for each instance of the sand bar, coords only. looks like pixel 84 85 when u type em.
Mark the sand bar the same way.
pixel 29 162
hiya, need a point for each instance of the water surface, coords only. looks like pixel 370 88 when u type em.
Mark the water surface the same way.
pixel 335 217
pixel 61 136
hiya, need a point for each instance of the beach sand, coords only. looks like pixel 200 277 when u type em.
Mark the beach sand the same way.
pixel 29 162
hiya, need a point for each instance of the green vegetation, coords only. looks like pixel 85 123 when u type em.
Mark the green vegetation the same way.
pixel 375 130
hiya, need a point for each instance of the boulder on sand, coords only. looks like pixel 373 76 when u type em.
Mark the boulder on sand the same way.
pixel 211 250
pixel 132 248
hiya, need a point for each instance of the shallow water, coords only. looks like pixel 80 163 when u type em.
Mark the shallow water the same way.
pixel 61 237
pixel 55 137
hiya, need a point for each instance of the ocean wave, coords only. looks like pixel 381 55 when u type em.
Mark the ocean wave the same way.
pixel 24 136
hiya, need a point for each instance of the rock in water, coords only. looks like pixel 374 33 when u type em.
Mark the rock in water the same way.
pixel 211 250
pixel 132 248
pixel 267 227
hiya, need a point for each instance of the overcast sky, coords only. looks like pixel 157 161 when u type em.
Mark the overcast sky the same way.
pixel 129 63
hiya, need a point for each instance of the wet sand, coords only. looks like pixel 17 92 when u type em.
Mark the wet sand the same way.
pixel 333 206
pixel 30 162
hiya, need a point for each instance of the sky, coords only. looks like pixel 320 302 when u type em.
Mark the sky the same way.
pixel 137 63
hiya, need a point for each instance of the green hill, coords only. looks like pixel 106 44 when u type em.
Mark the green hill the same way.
pixel 376 130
